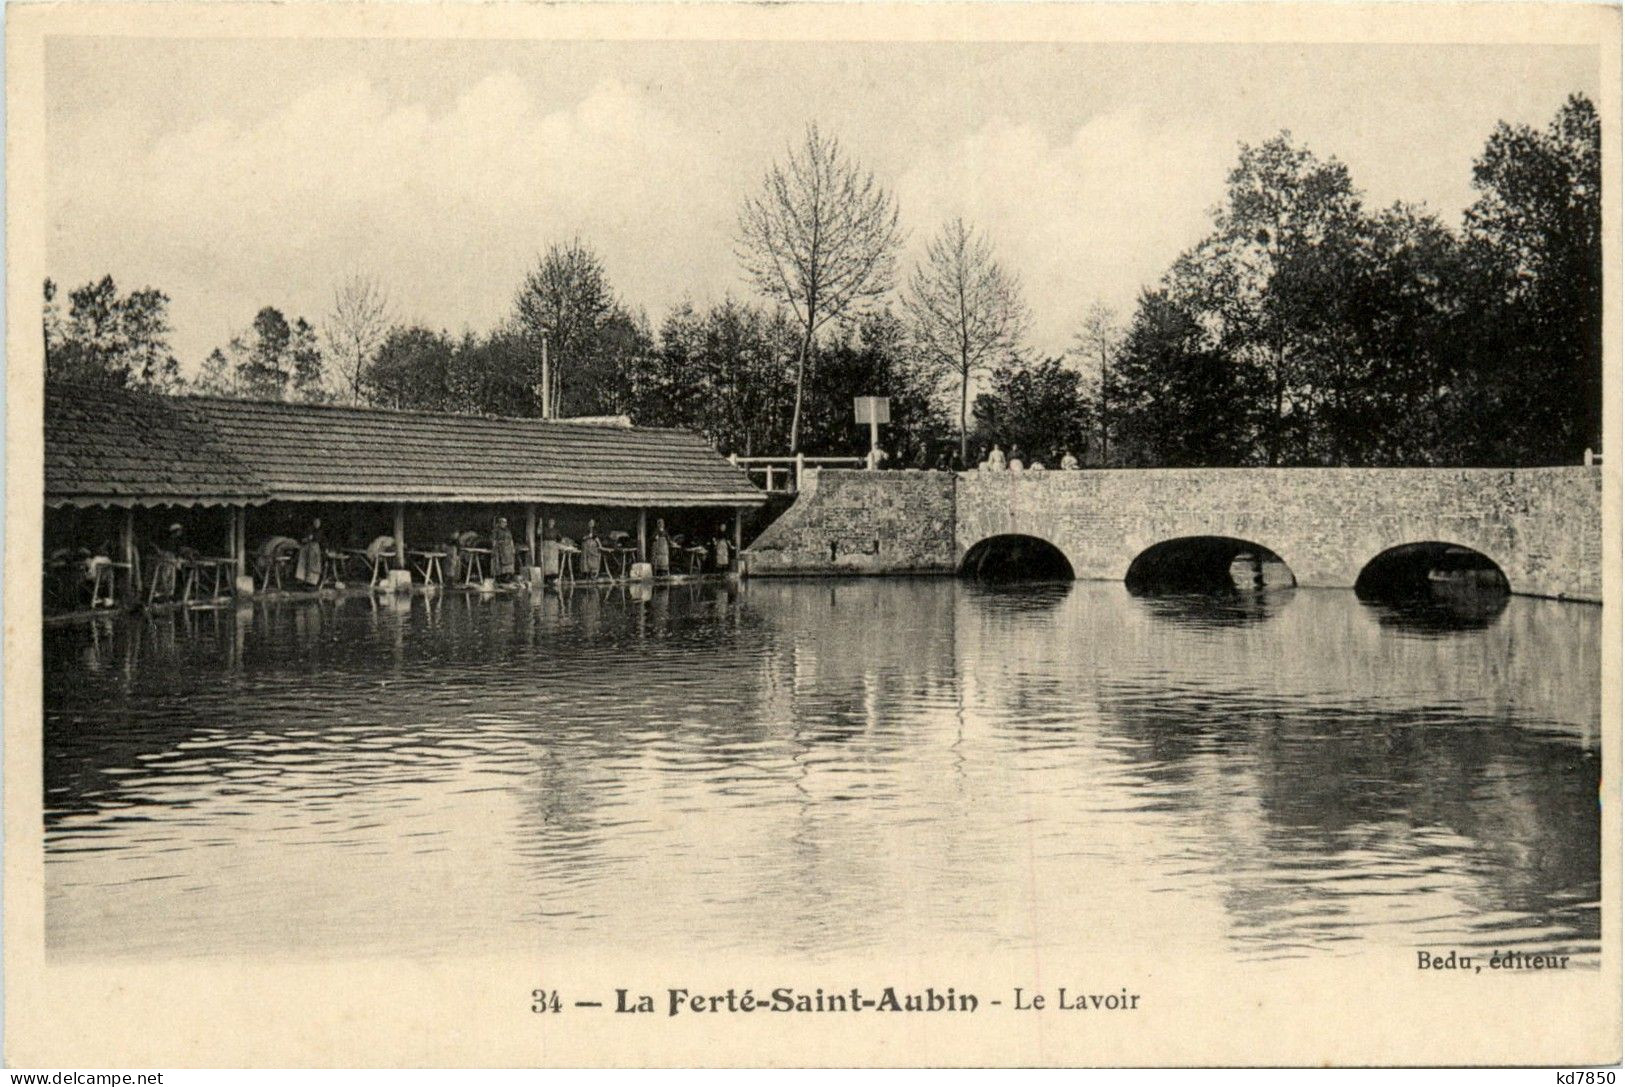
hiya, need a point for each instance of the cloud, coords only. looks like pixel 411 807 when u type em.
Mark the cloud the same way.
pixel 1091 215
pixel 448 207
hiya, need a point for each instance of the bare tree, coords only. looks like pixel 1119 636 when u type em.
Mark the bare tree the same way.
pixel 967 310
pixel 354 329
pixel 1095 346
pixel 821 237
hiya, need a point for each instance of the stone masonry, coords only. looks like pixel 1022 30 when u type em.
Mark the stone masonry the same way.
pixel 1542 526
pixel 856 522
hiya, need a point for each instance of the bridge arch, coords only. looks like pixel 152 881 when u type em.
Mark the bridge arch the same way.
pixel 1207 564
pixel 1424 568
pixel 1014 556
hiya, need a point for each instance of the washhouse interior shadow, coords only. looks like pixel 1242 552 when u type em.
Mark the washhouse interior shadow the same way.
pixel 1035 567
pixel 1433 587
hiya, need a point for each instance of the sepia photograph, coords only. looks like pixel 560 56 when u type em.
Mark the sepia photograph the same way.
pixel 850 535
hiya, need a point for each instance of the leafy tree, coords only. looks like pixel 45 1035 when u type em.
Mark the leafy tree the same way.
pixel 1388 398
pixel 718 371
pixel 274 360
pixel 567 301
pixel 218 376
pixel 1180 401
pixel 877 356
pixel 1536 233
pixel 111 338
pixel 414 368
pixel 819 237
pixel 308 369
pixel 267 368
pixel 1037 407
pixel 621 351
pixel 495 374
pixel 966 308
pixel 1260 282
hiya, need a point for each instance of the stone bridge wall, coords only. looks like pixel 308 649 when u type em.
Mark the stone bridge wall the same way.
pixel 1542 526
pixel 856 522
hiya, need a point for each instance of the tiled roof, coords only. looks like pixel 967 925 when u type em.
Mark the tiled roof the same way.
pixel 119 447
pixel 328 453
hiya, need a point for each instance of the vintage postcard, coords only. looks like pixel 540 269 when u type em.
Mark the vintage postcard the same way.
pixel 833 534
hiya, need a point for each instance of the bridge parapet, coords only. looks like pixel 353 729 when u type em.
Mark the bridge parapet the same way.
pixel 1541 526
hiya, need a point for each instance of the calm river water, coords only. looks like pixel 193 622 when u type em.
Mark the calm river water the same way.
pixel 823 768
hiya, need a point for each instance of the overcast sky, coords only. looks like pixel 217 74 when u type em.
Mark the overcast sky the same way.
pixel 238 174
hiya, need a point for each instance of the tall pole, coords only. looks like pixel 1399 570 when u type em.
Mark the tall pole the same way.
pixel 547 386
pixel 739 530
pixel 643 535
pixel 874 440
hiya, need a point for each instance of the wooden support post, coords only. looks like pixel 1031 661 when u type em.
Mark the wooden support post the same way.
pixel 643 535
pixel 400 535
pixel 739 529
pixel 801 466
pixel 535 558
pixel 127 554
pixel 240 553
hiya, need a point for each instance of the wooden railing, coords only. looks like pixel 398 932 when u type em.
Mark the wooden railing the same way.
pixel 787 470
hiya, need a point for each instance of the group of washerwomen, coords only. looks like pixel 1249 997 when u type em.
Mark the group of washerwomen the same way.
pixel 503 552
pixel 717 552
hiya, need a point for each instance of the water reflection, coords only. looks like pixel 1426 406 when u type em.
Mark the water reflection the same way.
pixel 889 763
pixel 1442 609
pixel 1217 609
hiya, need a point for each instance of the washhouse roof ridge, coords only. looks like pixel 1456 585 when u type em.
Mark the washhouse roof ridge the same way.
pixel 234 450
pixel 596 421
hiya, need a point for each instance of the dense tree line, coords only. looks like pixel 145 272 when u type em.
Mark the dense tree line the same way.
pixel 1304 329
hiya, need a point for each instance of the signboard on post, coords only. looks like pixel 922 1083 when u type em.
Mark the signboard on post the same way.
pixel 872 409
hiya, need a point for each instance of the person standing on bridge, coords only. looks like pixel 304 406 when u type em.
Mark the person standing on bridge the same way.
pixel 1069 463
pixel 995 459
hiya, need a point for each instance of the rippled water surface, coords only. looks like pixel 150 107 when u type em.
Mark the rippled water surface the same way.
pixel 823 768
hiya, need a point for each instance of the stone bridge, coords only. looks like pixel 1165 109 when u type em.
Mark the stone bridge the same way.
pixel 1541 526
